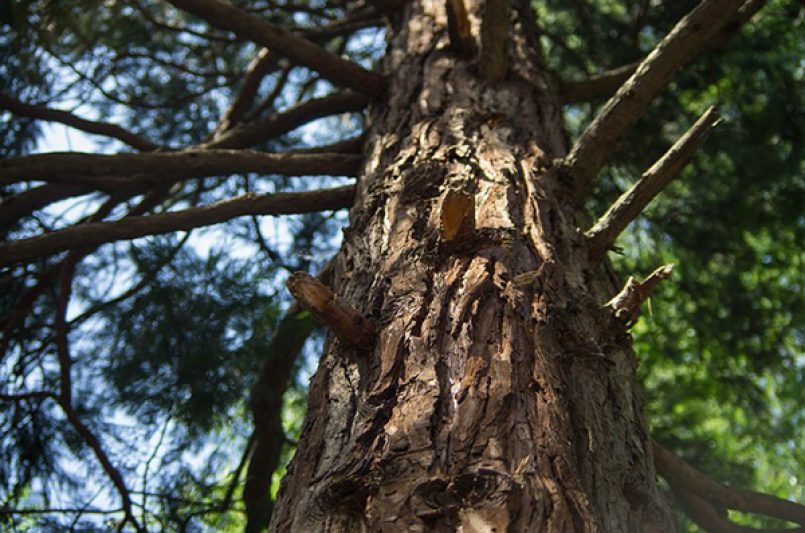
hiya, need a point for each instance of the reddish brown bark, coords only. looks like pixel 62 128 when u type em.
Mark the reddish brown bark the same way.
pixel 499 394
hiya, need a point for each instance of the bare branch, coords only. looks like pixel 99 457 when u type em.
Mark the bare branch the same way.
pixel 493 62
pixel 259 131
pixel 598 86
pixel 681 475
pixel 631 203
pixel 130 228
pixel 689 37
pixel 76 168
pixel 346 323
pixel 341 72
pixel 74 121
pixel 23 204
pixel 261 65
pixel 458 26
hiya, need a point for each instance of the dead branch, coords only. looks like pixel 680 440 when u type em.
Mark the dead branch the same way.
pixel 259 131
pixel 493 62
pixel 76 168
pixel 69 119
pixel 96 233
pixel 341 72
pixel 631 203
pixel 626 304
pixel 683 477
pixel 598 86
pixel 458 26
pixel 346 323
pixel 687 39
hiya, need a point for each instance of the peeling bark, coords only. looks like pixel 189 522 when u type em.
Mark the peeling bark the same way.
pixel 497 396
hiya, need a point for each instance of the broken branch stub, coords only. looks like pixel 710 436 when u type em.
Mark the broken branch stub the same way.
pixel 626 304
pixel 346 323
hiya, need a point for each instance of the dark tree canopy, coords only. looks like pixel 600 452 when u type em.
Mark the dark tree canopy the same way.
pixel 153 365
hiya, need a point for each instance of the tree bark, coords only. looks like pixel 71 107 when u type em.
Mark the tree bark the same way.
pixel 499 394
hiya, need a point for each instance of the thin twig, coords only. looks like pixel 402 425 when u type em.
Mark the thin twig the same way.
pixel 69 119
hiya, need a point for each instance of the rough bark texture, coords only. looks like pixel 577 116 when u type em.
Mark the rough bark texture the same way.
pixel 499 394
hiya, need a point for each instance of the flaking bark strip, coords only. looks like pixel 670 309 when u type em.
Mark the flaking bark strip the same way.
pixel 346 323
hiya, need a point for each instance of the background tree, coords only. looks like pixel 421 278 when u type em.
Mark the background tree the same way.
pixel 145 371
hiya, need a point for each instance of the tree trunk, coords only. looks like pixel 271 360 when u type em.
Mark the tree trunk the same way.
pixel 499 393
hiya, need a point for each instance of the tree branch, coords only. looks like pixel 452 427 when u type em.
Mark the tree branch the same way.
pixel 493 62
pixel 594 87
pixel 631 203
pixel 32 395
pixel 23 204
pixel 65 393
pixel 69 119
pixel 266 406
pixel 76 168
pixel 341 72
pixel 130 228
pixel 688 38
pixel 259 131
pixel 261 65
pixel 681 475
pixel 458 26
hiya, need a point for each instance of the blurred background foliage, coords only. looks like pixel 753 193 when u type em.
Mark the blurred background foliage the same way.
pixel 169 333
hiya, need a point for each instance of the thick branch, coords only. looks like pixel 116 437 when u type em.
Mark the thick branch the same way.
pixel 266 406
pixel 689 37
pixel 130 228
pixel 631 203
pixel 341 72
pixel 69 119
pixel 259 131
pixel 680 474
pixel 346 323
pixel 77 168
pixel 493 62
